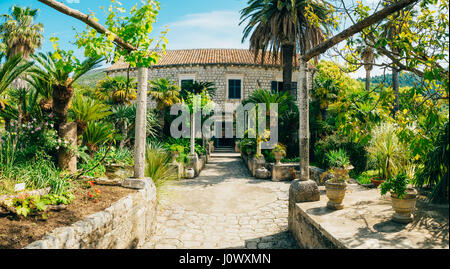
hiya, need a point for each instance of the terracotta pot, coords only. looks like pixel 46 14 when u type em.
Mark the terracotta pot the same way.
pixel 335 194
pixel 377 182
pixel 278 157
pixel 404 207
pixel 236 147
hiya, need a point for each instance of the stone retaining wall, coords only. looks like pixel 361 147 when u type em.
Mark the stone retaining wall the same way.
pixel 308 233
pixel 125 225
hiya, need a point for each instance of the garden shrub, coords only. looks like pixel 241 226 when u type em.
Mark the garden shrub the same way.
pixel 356 151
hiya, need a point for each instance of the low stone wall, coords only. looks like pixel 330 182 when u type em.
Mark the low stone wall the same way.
pixel 308 233
pixel 126 224
pixel 282 172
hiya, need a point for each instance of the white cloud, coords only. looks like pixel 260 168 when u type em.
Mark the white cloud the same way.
pixel 216 29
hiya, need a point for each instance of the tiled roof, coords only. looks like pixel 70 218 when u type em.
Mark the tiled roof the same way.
pixel 207 57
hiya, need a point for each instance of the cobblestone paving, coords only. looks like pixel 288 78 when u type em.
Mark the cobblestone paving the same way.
pixel 223 208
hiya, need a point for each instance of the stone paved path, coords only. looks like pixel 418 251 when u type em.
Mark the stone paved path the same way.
pixel 223 208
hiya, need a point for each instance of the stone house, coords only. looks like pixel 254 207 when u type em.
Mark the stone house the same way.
pixel 234 72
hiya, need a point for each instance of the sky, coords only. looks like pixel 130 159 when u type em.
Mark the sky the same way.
pixel 192 23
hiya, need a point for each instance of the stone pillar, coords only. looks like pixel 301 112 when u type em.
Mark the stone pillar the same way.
pixel 141 113
pixel 303 189
pixel 67 160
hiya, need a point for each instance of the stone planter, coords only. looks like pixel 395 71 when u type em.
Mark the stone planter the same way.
pixel 189 173
pixel 278 157
pixel 175 155
pixel 404 207
pixel 237 147
pixel 335 194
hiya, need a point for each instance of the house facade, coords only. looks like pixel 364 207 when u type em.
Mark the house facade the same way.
pixel 234 72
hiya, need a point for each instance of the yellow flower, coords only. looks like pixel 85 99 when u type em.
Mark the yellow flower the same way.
pixel 417 157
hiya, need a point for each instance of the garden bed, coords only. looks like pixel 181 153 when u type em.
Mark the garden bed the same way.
pixel 18 232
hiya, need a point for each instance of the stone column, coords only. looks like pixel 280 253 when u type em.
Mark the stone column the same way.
pixel 193 158
pixel 303 189
pixel 141 113
pixel 304 122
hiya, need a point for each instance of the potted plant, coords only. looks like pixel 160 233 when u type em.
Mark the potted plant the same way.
pixel 386 152
pixel 403 197
pixel 279 152
pixel 336 186
pixel 175 151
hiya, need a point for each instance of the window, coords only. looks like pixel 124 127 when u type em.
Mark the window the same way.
pixel 234 88
pixel 186 82
pixel 294 89
pixel 277 86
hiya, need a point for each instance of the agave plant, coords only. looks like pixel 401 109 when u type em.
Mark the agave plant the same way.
pixel 98 134
pixel 158 164
pixel 85 109
pixel 153 126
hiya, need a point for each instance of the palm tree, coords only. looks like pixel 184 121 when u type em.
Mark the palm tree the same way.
pixel 196 88
pixel 117 90
pixel 85 110
pixel 391 30
pixel 62 74
pixel 368 57
pixel 282 25
pixel 20 33
pixel 11 69
pixel 165 93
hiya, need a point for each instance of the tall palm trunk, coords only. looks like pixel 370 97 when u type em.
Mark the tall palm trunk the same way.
pixel 287 55
pixel 395 87
pixel 124 131
pixel 368 79
pixel 62 95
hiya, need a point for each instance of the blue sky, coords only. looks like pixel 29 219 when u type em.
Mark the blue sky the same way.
pixel 192 23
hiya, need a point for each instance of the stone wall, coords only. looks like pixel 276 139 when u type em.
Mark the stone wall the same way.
pixel 127 224
pixel 253 77
pixel 308 233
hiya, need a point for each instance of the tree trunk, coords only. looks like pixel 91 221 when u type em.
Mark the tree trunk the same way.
pixel 368 80
pixel 67 160
pixel 124 134
pixel 192 151
pixel 395 88
pixel 304 122
pixel 288 54
pixel 356 28
pixel 61 100
pixel 141 112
